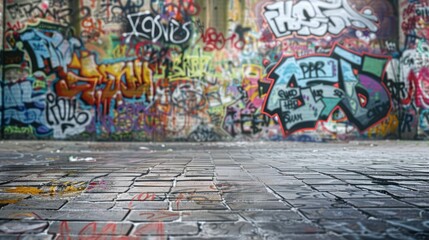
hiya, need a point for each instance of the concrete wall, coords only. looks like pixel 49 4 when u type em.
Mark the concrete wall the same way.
pixel 204 70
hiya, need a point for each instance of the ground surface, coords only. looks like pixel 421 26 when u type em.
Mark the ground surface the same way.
pixel 264 190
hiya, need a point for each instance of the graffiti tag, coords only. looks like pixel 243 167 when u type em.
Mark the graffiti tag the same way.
pixel 316 17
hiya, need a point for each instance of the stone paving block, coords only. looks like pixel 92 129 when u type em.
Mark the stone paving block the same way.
pixel 153 216
pixel 398 213
pixel 48 204
pixel 96 197
pixel 82 205
pixel 143 196
pixel 87 229
pixel 383 188
pixel 316 203
pixel 358 194
pixel 86 175
pixel 191 167
pixel 167 170
pixel 112 178
pixel 233 177
pixel 26 236
pixel 35 178
pixel 263 205
pixel 359 229
pixel 7 198
pixel 22 226
pixel 76 179
pixel 288 227
pixel 304 176
pixel 227 185
pixel 337 213
pixel 376 203
pixel 101 183
pixel 359 182
pixel 149 190
pixel 187 178
pixel 282 181
pixel 195 196
pixel 26 184
pixel 127 174
pixel 410 183
pixel 419 188
pixel 4 178
pixel 413 226
pixel 336 188
pixel 323 181
pixel 291 188
pixel 244 189
pixel 390 177
pixel 8 173
pixel 107 189
pixel 167 228
pixel 409 193
pixel 208 188
pixel 359 226
pixel 161 175
pixel 202 237
pixel 270 215
pixel 305 195
pixel 101 215
pixel 420 202
pixel 197 205
pixel 327 236
pixel 142 205
pixel 234 197
pixel 153 184
pixel 209 184
pixel 106 215
pixel 198 174
pixel 218 229
pixel 136 172
pixel 210 216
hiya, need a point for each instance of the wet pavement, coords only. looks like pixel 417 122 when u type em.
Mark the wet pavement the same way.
pixel 262 190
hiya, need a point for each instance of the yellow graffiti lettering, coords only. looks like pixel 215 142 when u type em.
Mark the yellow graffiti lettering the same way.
pixel 55 188
pixel 25 190
pixel 190 67
pixel 385 128
pixel 119 51
pixel 130 79
pixel 9 201
pixel 18 130
pixel 38 84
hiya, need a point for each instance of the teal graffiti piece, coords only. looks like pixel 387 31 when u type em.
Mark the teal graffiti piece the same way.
pixel 284 74
pixel 317 69
pixel 352 85
pixel 349 56
pixel 285 71
pixel 347 70
pixel 374 65
pixel 330 104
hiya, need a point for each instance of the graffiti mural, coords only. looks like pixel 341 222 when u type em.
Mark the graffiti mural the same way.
pixel 2 63
pixel 308 90
pixel 316 18
pixel 194 70
pixel 414 68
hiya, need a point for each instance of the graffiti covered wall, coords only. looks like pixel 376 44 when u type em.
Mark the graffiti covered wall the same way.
pixel 205 70
pixel 413 92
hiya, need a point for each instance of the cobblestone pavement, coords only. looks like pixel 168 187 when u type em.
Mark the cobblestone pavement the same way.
pixel 263 190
